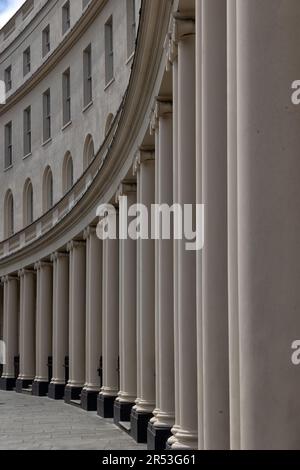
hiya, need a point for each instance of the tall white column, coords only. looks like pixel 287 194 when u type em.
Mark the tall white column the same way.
pixel 93 347
pixel 43 327
pixel 27 329
pixel 214 190
pixel 77 306
pixel 127 310
pixel 60 327
pixel 186 432
pixel 233 300
pixel 10 330
pixel 145 403
pixel 160 429
pixel 110 328
pixel 268 167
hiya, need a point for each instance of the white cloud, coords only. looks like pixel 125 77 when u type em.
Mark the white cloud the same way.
pixel 7 9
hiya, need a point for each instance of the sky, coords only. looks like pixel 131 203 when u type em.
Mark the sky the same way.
pixel 7 9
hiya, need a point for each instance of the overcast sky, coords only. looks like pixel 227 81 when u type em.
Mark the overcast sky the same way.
pixel 7 9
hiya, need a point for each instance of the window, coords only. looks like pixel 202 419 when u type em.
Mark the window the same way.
pixel 47 189
pixel 8 215
pixel 88 151
pixel 8 145
pixel 7 79
pixel 87 76
pixel 28 203
pixel 66 92
pixel 46 40
pixel 26 61
pixel 66 20
pixel 68 177
pixel 131 26
pixel 27 131
pixel 46 116
pixel 109 51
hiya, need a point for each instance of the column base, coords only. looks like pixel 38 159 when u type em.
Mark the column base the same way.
pixel 56 391
pixel 139 425
pixel 105 406
pixel 22 384
pixel 72 393
pixel 89 400
pixel 122 411
pixel 7 384
pixel 40 389
pixel 157 437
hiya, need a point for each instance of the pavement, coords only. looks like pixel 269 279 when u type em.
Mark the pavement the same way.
pixel 33 423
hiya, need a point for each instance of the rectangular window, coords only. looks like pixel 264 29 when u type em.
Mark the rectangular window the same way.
pixel 26 61
pixel 87 76
pixel 27 131
pixel 66 89
pixel 8 145
pixel 46 116
pixel 46 40
pixel 109 51
pixel 66 19
pixel 7 79
pixel 131 27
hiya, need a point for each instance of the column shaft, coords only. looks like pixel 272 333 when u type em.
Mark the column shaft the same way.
pixel 44 295
pixel 60 327
pixel 27 329
pixel 10 330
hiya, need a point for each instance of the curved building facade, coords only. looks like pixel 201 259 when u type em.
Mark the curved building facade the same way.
pixel 164 102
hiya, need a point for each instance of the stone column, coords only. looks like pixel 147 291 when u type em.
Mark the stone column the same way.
pixel 214 191
pixel 27 329
pixel 159 430
pixel 145 403
pixel 186 341
pixel 233 301
pixel 10 330
pixel 77 306
pixel 60 344
pixel 110 328
pixel 93 347
pixel 127 310
pixel 44 296
pixel 268 142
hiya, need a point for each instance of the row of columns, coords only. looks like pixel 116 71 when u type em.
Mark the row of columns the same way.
pixel 189 345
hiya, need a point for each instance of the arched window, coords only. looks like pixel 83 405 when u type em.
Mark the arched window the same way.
pixel 108 124
pixel 27 203
pixel 68 173
pixel 47 189
pixel 88 151
pixel 8 215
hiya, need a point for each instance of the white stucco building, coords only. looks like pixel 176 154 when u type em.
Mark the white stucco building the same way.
pixel 183 101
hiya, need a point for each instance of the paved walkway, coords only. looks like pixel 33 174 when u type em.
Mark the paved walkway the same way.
pixel 28 423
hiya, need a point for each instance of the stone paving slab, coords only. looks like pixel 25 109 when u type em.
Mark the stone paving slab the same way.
pixel 29 423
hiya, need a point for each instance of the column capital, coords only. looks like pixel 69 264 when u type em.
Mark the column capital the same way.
pixel 41 264
pixel 7 278
pixel 163 107
pixel 124 189
pixel 75 244
pixel 183 26
pixel 90 230
pixel 144 154
pixel 171 48
pixel 58 254
pixel 24 271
